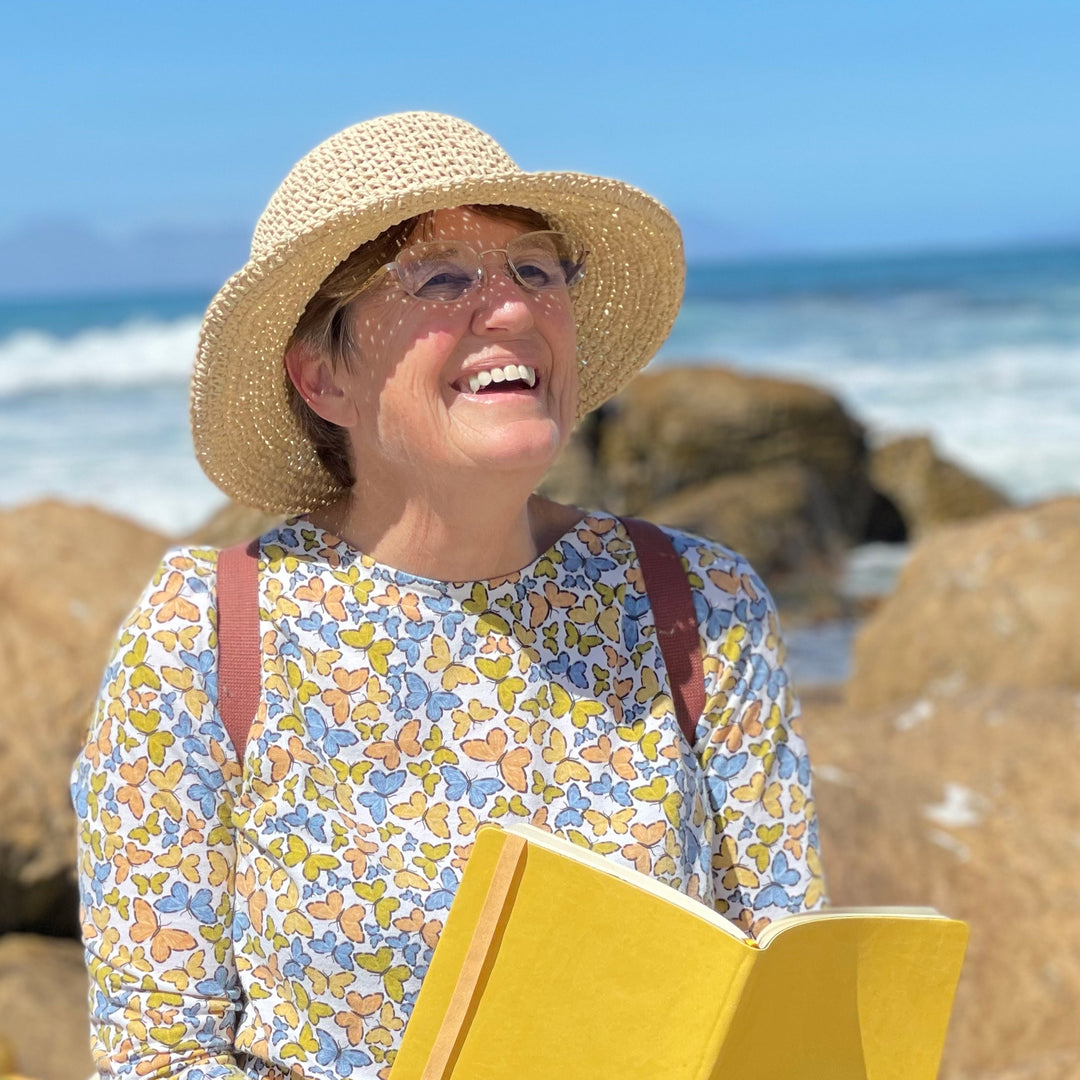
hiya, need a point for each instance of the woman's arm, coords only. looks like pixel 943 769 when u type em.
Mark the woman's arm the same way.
pixel 153 790
pixel 766 861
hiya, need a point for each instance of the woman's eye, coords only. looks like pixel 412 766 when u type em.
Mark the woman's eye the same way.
pixel 539 273
pixel 441 285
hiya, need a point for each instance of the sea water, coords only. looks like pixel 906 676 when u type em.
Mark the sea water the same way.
pixel 980 350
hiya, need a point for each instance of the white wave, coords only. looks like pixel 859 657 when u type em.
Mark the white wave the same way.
pixel 133 354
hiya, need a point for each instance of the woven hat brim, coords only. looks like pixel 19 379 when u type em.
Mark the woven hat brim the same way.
pixel 246 438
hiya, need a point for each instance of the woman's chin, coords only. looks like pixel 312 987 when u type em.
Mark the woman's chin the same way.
pixel 521 445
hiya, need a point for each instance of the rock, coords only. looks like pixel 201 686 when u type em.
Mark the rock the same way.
pixel 232 524
pixel 44 1017
pixel 681 427
pixel 68 579
pixel 782 518
pixel 968 803
pixel 928 490
pixel 995 602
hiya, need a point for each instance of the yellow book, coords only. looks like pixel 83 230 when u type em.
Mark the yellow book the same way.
pixel 558 964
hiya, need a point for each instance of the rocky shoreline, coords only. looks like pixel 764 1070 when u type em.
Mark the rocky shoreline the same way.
pixel 936 764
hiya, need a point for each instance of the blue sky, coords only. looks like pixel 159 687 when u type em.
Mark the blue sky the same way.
pixel 767 125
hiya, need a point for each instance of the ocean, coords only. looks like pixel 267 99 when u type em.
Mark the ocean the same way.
pixel 981 350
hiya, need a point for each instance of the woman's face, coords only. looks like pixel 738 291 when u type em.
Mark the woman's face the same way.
pixel 416 415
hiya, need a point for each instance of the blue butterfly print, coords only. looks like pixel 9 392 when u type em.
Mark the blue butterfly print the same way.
pixel 782 873
pixel 385 785
pixel 333 739
pixel 345 1059
pixel 415 632
pixel 575 672
pixel 444 606
pixel 205 663
pixel 297 960
pixel 328 944
pixel 777 681
pixel 326 630
pixel 479 790
pixel 301 818
pixel 444 897
pixel 759 672
pixel 620 791
pixel 206 789
pixel 725 769
pixel 219 986
pixel 180 900
pixel 573 814
pixel 790 763
pixel 593 565
pixel 419 693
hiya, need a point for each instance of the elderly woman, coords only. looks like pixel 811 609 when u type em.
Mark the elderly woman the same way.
pixel 434 646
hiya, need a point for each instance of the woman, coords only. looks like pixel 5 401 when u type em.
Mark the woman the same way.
pixel 418 329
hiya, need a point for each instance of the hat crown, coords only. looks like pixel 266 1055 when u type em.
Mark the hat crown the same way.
pixel 378 160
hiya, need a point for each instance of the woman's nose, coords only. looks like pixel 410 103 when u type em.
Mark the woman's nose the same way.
pixel 502 302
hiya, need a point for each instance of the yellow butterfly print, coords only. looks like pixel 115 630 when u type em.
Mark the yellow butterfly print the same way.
pixel 440 754
pixel 601 847
pixel 511 763
pixel 656 791
pixel 467 821
pixel 183 679
pixel 619 761
pixel 557 753
pixel 337 983
pixel 175 859
pixel 365 640
pixel 429 858
pixel 618 822
pixel 132 856
pixel 562 703
pixel 279 605
pixel 381 963
pixel 185 638
pixel 163 940
pixel 768 796
pixel 389 752
pixel 541 787
pixel 313 863
pixel 141 673
pixel 508 686
pixel 433 816
pixel 501 807
pixel 524 729
pixel 474 713
pixel 638 733
pixel 404 878
pixel 389 1022
pixel 192 970
pixel 453 675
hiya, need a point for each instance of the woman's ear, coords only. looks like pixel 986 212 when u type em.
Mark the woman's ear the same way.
pixel 318 384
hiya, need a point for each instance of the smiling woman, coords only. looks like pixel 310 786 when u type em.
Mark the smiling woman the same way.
pixel 434 646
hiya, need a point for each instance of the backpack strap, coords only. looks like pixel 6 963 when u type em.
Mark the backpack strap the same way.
pixel 676 621
pixel 239 640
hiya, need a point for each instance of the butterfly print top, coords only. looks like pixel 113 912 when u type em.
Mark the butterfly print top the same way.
pixel 240 923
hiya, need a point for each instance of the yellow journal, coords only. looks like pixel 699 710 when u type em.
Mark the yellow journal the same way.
pixel 558 964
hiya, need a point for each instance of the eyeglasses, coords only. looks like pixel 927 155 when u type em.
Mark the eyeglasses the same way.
pixel 445 270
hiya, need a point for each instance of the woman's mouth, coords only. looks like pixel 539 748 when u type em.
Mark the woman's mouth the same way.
pixel 509 376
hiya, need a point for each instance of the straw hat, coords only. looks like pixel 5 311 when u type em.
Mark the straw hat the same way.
pixel 345 192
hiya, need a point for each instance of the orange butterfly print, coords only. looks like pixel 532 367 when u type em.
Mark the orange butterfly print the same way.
pixel 389 751
pixel 163 940
pixel 619 761
pixel 511 763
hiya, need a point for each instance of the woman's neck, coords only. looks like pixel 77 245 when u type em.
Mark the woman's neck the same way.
pixel 483 528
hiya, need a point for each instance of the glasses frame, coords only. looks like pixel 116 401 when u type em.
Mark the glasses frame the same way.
pixel 478 281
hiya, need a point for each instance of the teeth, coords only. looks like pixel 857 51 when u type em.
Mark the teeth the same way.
pixel 509 373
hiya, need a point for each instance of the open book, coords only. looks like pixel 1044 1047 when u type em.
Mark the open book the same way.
pixel 558 964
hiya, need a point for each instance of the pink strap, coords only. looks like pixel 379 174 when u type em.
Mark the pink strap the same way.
pixel 239 640
pixel 676 622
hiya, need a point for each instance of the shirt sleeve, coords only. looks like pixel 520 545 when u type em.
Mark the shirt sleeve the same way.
pixel 153 790
pixel 765 856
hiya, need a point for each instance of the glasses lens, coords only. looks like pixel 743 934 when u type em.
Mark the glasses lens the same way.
pixel 546 260
pixel 437 271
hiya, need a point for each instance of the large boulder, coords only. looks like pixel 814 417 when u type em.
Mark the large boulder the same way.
pixel 44 1021
pixel 995 602
pixel 928 490
pixel 968 802
pixel 685 426
pixel 67 580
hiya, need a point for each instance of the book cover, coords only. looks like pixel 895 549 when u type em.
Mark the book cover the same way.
pixel 556 961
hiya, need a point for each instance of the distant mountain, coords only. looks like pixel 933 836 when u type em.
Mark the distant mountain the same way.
pixel 67 256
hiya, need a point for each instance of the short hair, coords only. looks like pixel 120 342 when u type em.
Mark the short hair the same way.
pixel 325 326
